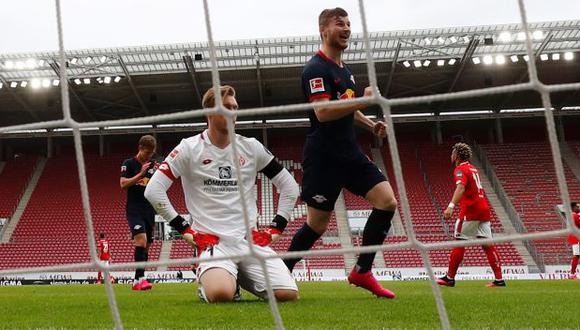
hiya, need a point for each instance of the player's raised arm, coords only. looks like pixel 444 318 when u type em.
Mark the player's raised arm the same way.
pixel 128 178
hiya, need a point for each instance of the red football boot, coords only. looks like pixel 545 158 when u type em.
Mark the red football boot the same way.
pixel 369 282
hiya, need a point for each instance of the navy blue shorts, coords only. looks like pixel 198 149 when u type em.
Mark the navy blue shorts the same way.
pixel 141 221
pixel 324 177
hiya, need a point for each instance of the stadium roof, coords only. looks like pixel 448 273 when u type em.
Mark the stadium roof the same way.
pixel 168 78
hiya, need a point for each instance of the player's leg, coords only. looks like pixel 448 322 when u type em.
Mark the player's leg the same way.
pixel 99 277
pixel 315 225
pixel 484 231
pixel 137 225
pixel 364 179
pixel 251 277
pixel 217 279
pixel 321 186
pixel 217 285
pixel 575 257
pixel 462 229
pixel 382 197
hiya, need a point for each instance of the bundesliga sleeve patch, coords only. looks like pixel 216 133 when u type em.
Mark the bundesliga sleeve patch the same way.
pixel 123 169
pixel 459 174
pixel 316 85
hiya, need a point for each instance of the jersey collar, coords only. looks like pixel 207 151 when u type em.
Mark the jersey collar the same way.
pixel 205 137
pixel 328 59
pixel 466 162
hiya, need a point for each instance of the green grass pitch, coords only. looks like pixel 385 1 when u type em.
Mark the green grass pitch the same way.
pixel 323 305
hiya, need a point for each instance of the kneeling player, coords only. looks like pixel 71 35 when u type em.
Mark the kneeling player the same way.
pixel 474 217
pixel 211 188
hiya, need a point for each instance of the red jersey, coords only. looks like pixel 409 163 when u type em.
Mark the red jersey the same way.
pixel 573 239
pixel 104 249
pixel 473 203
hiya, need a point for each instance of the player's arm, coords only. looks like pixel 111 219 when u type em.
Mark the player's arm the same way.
pixel 330 113
pixel 286 186
pixel 156 194
pixel 288 189
pixel 459 190
pixel 127 181
pixel 378 128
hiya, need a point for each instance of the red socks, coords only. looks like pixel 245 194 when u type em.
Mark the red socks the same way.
pixel 455 260
pixel 574 265
pixel 494 262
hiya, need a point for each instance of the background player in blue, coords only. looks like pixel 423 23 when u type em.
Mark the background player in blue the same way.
pixel 332 157
pixel 135 174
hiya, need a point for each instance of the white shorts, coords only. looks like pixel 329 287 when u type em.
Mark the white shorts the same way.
pixel 248 272
pixel 472 229
pixel 576 249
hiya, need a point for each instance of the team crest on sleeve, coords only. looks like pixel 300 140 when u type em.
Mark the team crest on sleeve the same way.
pixel 316 85
pixel 173 154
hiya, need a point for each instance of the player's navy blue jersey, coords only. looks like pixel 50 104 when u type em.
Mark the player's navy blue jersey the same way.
pixel 136 193
pixel 324 78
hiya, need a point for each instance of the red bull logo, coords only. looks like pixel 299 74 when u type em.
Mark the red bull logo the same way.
pixel 348 94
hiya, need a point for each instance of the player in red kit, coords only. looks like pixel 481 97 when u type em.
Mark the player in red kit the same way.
pixel 574 240
pixel 104 254
pixel 474 216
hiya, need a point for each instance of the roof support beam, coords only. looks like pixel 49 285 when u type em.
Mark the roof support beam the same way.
pixel 473 43
pixel 259 76
pixel 132 85
pixel 56 68
pixel 19 99
pixel 191 69
pixel 392 71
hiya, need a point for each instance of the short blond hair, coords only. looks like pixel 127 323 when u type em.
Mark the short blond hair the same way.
pixel 208 100
pixel 463 151
pixel 148 141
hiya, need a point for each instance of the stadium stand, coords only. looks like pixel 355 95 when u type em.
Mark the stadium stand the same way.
pixel 527 173
pixel 14 177
pixel 54 213
pixel 52 229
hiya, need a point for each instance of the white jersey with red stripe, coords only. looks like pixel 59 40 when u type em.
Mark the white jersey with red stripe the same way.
pixel 211 186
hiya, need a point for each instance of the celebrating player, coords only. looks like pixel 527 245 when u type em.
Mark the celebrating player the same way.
pixel 211 187
pixel 574 241
pixel 135 175
pixel 104 249
pixel 474 216
pixel 332 157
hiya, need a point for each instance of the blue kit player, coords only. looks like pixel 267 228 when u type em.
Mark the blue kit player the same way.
pixel 332 157
pixel 135 174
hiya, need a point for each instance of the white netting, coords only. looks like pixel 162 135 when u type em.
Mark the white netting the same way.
pixel 385 104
